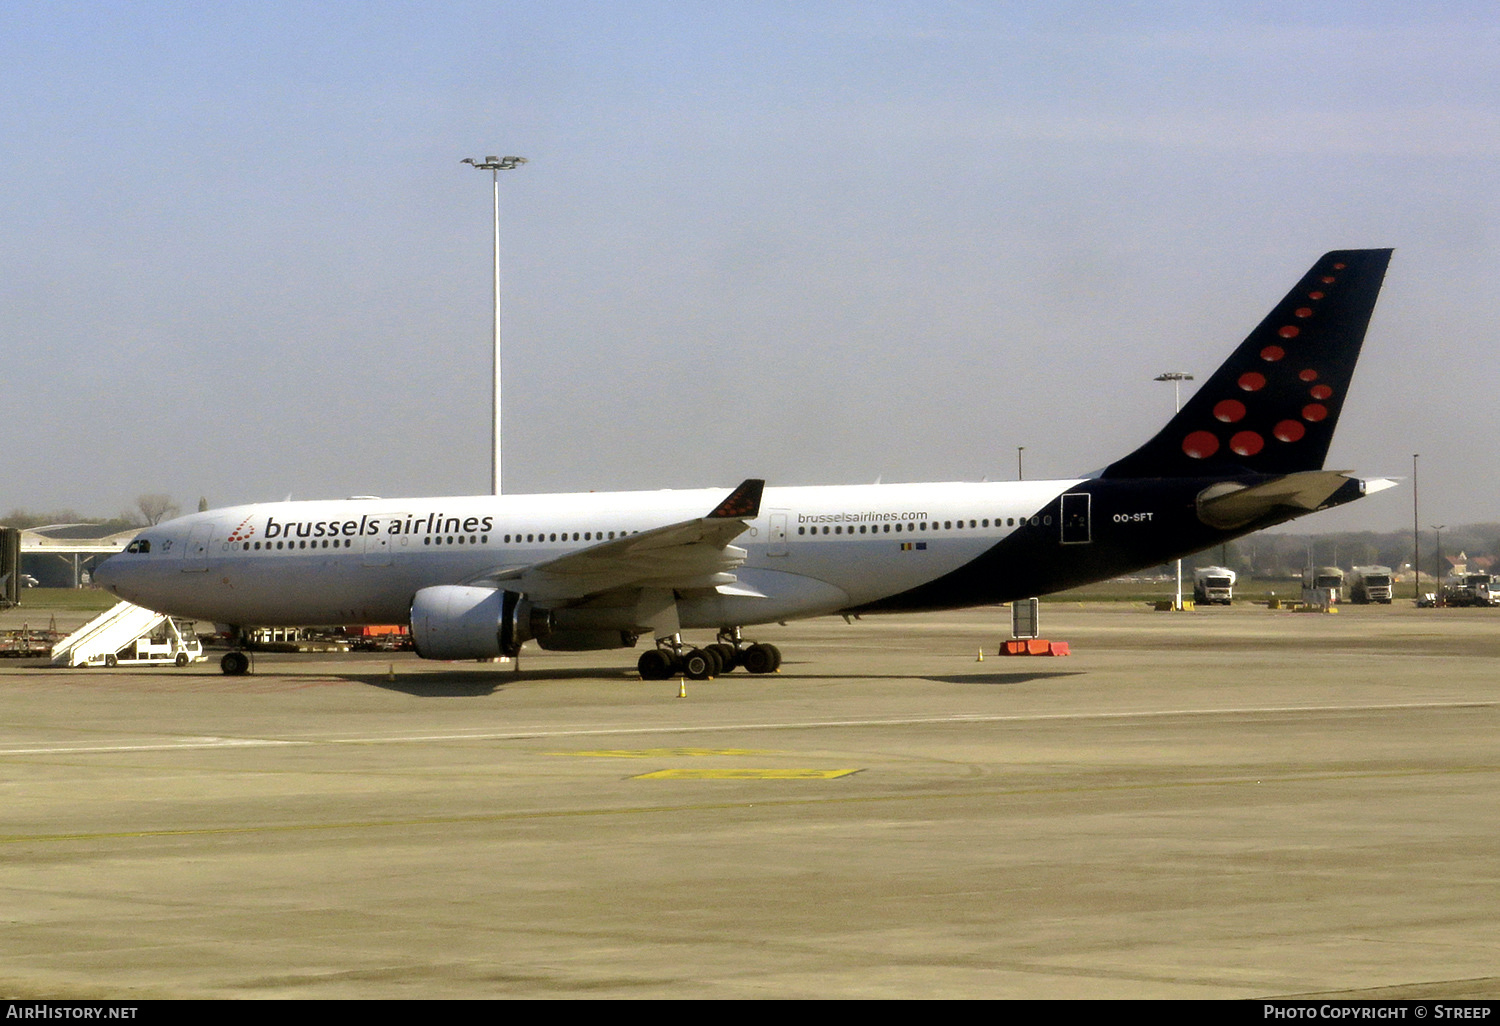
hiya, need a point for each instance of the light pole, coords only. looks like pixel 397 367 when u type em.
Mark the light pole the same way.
pixel 1416 532
pixel 495 165
pixel 1020 476
pixel 1176 378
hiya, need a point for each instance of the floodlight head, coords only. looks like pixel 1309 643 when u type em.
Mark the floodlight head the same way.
pixel 493 163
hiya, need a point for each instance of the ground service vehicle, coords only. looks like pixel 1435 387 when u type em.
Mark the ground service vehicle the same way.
pixel 1213 584
pixel 1368 584
pixel 1468 590
pixel 1322 585
pixel 173 643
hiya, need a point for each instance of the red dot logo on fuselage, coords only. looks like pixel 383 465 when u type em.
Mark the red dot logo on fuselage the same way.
pixel 240 533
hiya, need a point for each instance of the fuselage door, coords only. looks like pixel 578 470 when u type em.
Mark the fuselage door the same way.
pixel 382 545
pixel 195 551
pixel 776 544
pixel 1075 519
pixel 377 549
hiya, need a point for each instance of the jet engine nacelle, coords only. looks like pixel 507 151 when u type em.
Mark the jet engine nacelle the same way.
pixel 452 621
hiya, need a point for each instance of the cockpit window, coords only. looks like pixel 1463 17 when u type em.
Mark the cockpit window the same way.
pixel 139 545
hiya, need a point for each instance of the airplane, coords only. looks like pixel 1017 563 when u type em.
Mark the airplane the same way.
pixel 477 577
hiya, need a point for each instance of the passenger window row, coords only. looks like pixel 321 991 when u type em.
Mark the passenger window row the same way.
pixel 921 525
pixel 451 539
pixel 338 543
pixel 536 537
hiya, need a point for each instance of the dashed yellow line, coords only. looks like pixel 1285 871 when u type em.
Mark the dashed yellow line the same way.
pixel 746 774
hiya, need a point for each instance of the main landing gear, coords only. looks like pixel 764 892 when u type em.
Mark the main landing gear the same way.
pixel 671 657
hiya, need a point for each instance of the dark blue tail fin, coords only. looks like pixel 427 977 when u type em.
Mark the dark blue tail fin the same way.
pixel 1271 408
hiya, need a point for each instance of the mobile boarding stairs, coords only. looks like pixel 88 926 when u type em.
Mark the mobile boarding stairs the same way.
pixel 131 635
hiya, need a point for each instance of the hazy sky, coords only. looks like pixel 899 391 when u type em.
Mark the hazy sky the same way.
pixel 811 242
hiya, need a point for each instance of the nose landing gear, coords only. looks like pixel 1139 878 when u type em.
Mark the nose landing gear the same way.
pixel 235 662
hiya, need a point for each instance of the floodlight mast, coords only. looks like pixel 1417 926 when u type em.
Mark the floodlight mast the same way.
pixel 495 165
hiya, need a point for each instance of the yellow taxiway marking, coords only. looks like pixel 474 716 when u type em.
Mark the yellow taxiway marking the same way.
pixel 745 774
pixel 659 753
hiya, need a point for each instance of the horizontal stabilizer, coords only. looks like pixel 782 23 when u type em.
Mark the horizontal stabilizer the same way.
pixel 1229 504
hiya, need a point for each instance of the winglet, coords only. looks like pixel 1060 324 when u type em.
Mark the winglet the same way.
pixel 742 504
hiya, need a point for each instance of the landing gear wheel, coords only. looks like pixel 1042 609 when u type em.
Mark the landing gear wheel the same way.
pixel 234 664
pixel 761 658
pixel 729 658
pixel 654 665
pixel 699 665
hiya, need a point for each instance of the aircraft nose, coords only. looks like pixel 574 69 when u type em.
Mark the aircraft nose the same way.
pixel 107 575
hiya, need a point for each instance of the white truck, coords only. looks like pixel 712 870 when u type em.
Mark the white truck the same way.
pixel 1369 584
pixel 1213 584
pixel 1322 585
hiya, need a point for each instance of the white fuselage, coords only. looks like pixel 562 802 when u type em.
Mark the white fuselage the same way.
pixel 809 551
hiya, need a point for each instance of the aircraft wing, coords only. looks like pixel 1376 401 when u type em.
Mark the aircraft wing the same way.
pixel 691 554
